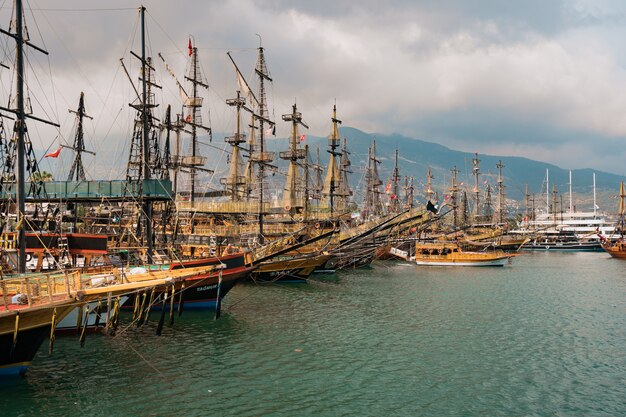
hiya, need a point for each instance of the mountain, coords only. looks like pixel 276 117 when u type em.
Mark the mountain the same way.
pixel 416 156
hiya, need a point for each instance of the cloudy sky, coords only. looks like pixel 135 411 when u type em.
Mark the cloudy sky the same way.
pixel 544 79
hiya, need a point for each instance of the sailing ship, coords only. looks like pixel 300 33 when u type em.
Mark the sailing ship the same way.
pixel 33 305
pixel 451 254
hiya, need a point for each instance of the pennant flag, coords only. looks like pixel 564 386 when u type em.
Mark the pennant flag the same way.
pixel 54 154
pixel 302 138
pixel 431 207
pixel 190 47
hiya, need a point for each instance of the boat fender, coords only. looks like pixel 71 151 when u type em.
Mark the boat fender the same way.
pixel 301 219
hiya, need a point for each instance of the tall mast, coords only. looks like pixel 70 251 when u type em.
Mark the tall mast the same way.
pixel 453 196
pixel 429 190
pixel 252 150
pixel 571 207
pixel 595 206
pixel 292 197
pixel 547 191
pixel 622 207
pixel 194 119
pixel 373 203
pixel 500 193
pixel 78 171
pixel 20 130
pixel 263 116
pixel 306 183
pixel 488 206
pixel 395 179
pixel 236 181
pixel 343 188
pixel 332 174
pixel 409 192
pixel 145 121
pixel 554 203
pixel 476 172
pixel 21 120
pixel 527 198
pixel 319 183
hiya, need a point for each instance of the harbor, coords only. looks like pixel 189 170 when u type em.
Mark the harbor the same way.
pixel 543 337
pixel 206 243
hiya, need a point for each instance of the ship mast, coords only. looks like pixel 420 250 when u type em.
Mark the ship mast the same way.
pixel 263 158
pixel 292 198
pixel 332 174
pixel 476 172
pixel 454 189
pixel 20 128
pixel 343 188
pixel 140 156
pixel 235 182
pixel 554 203
pixel 429 190
pixel 571 207
pixel 488 206
pixel 622 208
pixel 193 104
pixel 395 187
pixel 319 183
pixel 78 171
pixel 409 193
pixel 501 202
pixel 373 203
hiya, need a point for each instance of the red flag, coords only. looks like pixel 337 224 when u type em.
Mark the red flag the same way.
pixel 188 119
pixel 388 187
pixel 190 47
pixel 302 138
pixel 54 154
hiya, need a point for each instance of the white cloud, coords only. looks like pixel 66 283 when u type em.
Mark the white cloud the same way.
pixel 475 74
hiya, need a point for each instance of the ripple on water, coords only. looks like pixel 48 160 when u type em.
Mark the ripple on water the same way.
pixel 543 337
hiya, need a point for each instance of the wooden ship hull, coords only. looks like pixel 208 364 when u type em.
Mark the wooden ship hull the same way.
pixel 205 290
pixel 23 332
pixel 451 254
pixel 294 269
pixel 33 305
pixel 615 249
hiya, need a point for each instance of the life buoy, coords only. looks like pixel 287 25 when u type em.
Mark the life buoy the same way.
pixel 29 257
pixel 287 207
pixel 317 225
pixel 301 218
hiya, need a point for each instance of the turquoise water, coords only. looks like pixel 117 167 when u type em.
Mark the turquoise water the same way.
pixel 543 337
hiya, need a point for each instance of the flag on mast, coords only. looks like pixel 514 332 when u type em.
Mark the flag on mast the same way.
pixel 54 154
pixel 190 47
